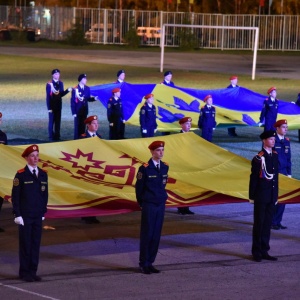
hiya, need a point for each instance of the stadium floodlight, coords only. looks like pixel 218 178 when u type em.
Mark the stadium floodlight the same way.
pixel 255 47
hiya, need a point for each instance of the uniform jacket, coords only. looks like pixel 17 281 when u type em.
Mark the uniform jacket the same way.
pixel 151 183
pixel 114 110
pixel 53 100
pixel 3 138
pixel 263 186
pixel 283 148
pixel 79 107
pixel 269 112
pixel 30 194
pixel 148 117
pixel 171 83
pixel 87 135
pixel 232 87
pixel 207 118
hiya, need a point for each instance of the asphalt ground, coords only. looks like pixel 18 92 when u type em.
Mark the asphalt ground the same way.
pixel 204 256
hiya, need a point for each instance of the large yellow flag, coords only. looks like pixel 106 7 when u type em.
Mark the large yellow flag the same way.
pixel 97 177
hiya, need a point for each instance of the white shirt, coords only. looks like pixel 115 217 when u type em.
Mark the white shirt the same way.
pixel 32 168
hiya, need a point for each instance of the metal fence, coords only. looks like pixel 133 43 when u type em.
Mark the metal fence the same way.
pixel 109 26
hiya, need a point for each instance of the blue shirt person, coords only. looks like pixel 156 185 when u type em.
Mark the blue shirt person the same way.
pixel 283 148
pixel 148 117
pixel 54 93
pixel 151 195
pixel 81 95
pixel 120 76
pixel 207 119
pixel 269 111
pixel 168 79
pixel 29 200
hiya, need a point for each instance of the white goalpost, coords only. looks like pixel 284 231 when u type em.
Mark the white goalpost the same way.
pixel 255 47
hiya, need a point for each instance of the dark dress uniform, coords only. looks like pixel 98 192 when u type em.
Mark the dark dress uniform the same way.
pixel 3 141
pixel 54 103
pixel 283 148
pixel 263 189
pixel 29 199
pixel 207 122
pixel 80 108
pixel 268 114
pixel 171 83
pixel 151 195
pixel 298 103
pixel 231 130
pixel 115 116
pixel 3 138
pixel 148 120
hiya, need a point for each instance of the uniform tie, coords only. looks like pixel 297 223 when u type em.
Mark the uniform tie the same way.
pixel 34 173
pixel 94 134
pixel 157 167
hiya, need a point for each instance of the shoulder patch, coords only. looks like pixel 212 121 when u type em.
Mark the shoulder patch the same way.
pixel 16 181
pixel 260 154
pixel 166 163
pixel 21 170
pixel 145 165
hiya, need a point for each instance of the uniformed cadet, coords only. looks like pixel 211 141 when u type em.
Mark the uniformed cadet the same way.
pixel 207 119
pixel 263 192
pixel 3 141
pixel 92 126
pixel 233 84
pixel 297 102
pixel 168 79
pixel 283 148
pixel 120 76
pixel 91 123
pixel 186 124
pixel 54 93
pixel 151 196
pixel 3 136
pixel 148 117
pixel 81 95
pixel 269 111
pixel 115 116
pixel 29 200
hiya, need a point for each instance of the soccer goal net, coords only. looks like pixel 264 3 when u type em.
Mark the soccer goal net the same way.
pixel 216 37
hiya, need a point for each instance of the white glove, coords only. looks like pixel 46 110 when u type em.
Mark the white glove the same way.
pixel 111 124
pixel 214 128
pixel 124 121
pixel 251 201
pixel 96 98
pixel 293 102
pixel 289 176
pixel 144 130
pixel 50 110
pixel 260 124
pixel 43 218
pixel 155 130
pixel 69 89
pixel 75 116
pixel 19 221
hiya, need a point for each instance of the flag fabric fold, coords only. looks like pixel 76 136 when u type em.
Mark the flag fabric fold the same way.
pixel 238 106
pixel 97 177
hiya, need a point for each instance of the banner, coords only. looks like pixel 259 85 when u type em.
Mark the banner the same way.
pixel 234 106
pixel 93 177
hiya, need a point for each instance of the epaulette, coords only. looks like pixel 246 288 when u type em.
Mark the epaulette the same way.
pixel 145 165
pixel 75 87
pixel 44 170
pixel 21 170
pixel 83 135
pixel 110 99
pixel 166 163
pixel 274 152
pixel 287 138
pixel 260 154
pixel 50 81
